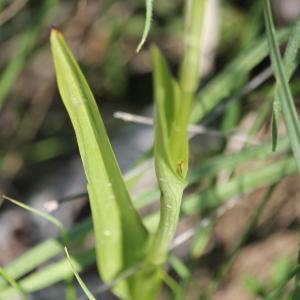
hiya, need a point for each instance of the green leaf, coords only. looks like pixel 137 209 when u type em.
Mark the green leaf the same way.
pixel 149 11
pixel 37 212
pixel 15 285
pixel 210 168
pixel 45 251
pixel 290 65
pixel 285 96
pixel 167 106
pixel 275 120
pixel 201 239
pixel 81 283
pixel 241 184
pixel 120 234
pixel 51 274
pixel 254 285
pixel 179 267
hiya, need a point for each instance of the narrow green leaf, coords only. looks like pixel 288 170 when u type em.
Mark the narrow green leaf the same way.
pixel 70 289
pixel 285 96
pixel 210 168
pixel 149 11
pixel 179 267
pixel 275 121
pixel 37 212
pixel 44 251
pixel 81 283
pixel 239 185
pixel 290 64
pixel 120 234
pixel 51 274
pixel 15 285
pixel 273 295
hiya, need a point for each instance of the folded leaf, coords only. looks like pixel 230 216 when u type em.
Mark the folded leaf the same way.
pixel 170 161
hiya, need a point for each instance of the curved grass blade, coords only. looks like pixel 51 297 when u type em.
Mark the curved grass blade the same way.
pixel 120 234
pixel 52 274
pixel 290 64
pixel 149 12
pixel 212 167
pixel 50 219
pixel 37 212
pixel 15 285
pixel 239 185
pixel 44 251
pixel 285 96
pixel 81 283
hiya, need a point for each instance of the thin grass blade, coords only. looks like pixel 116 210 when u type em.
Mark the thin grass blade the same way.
pixel 285 96
pixel 37 212
pixel 149 12
pixel 81 283
pixel 15 285
pixel 290 64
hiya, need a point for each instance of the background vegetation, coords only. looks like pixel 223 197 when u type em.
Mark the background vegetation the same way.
pixel 238 231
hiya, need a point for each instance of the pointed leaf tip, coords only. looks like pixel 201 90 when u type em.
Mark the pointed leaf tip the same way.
pixel 55 28
pixel 54 33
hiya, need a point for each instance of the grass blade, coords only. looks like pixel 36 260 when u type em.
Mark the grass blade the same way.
pixel 290 64
pixel 81 283
pixel 285 96
pixel 239 186
pixel 44 251
pixel 15 285
pixel 212 167
pixel 52 274
pixel 149 11
pixel 37 212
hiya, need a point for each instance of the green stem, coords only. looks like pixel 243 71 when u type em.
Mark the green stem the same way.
pixel 169 214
